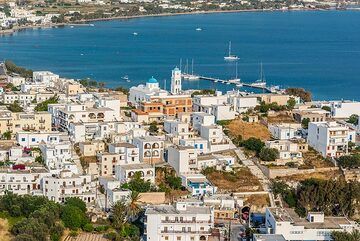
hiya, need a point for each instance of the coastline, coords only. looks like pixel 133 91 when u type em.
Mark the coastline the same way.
pixel 86 22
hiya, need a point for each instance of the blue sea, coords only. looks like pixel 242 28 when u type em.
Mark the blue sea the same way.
pixel 316 50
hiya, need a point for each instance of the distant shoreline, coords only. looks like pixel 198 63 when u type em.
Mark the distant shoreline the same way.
pixel 86 22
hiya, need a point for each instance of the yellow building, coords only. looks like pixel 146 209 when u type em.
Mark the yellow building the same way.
pixel 21 121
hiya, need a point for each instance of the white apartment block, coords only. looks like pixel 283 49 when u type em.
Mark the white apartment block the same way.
pixel 288 150
pixel 217 141
pixel 329 138
pixel 182 222
pixel 151 149
pixel 45 77
pixel 202 119
pixel 33 139
pixel 315 227
pixel 58 156
pixel 285 131
pixel 244 103
pixel 182 158
pixel 344 109
pixel 66 184
pixel 201 101
pixel 22 182
pixel 129 153
pixel 124 173
pixel 177 130
pixel 221 112
pixel 200 144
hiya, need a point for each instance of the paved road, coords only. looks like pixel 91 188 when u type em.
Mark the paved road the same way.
pixel 255 170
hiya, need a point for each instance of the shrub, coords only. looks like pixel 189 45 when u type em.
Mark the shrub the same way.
pixel 88 227
pixel 269 154
pixel 253 144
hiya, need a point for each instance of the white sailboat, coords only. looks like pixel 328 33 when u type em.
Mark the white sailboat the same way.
pixel 231 57
pixel 261 82
pixel 192 76
pixel 236 80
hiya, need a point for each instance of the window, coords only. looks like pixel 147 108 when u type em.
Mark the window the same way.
pixel 178 238
pixel 166 237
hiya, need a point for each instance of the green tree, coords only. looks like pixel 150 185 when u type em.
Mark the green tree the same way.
pixel 15 107
pixel 133 208
pixel 269 154
pixel 13 68
pixel 253 144
pixel 291 103
pixel 327 108
pixel 77 202
pixel 349 161
pixel 137 184
pixel 153 129
pixel 305 123
pixel 88 227
pixel 345 236
pixel 6 135
pixel 43 106
pixel 73 217
pixel 118 215
pixel 353 119
pixel 173 181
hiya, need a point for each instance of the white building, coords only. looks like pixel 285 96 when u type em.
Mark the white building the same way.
pixel 175 81
pixel 329 138
pixel 151 149
pixel 198 184
pixel 344 109
pixel 124 173
pixel 244 103
pixel 285 131
pixel 217 141
pixel 143 93
pixel 59 187
pixel 182 222
pixel 182 158
pixel 200 144
pixel 33 139
pixel 129 153
pixel 201 101
pixel 45 77
pixel 315 227
pixel 22 182
pixel 201 118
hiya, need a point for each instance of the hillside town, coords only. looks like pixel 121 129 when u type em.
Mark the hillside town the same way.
pixel 147 163
pixel 17 15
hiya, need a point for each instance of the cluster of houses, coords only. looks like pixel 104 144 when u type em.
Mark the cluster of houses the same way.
pixel 17 16
pixel 45 151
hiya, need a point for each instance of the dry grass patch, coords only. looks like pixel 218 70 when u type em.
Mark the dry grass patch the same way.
pixel 313 159
pixel 316 175
pixel 4 230
pixel 258 201
pixel 282 117
pixel 240 180
pixel 247 130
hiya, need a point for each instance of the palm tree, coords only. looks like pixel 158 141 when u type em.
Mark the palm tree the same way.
pixel 133 208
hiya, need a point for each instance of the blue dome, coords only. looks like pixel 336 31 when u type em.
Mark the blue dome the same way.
pixel 152 80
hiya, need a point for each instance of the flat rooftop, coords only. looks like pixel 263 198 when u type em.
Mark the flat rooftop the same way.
pixel 269 237
pixel 289 215
pixel 169 209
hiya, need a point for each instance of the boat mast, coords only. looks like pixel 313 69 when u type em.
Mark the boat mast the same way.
pixel 229 48
pixel 192 67
pixel 236 69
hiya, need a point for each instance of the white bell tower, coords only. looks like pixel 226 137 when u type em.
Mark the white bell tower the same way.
pixel 175 81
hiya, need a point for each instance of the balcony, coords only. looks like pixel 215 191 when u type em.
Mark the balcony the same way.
pixel 184 221
pixel 185 232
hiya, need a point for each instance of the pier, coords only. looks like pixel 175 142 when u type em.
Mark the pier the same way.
pixel 217 80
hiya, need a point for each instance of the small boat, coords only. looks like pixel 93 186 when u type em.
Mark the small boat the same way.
pixel 239 85
pixel 216 81
pixel 92 25
pixel 135 33
pixel 192 76
pixel 125 77
pixel 228 83
pixel 71 26
pixel 198 29
pixel 231 57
